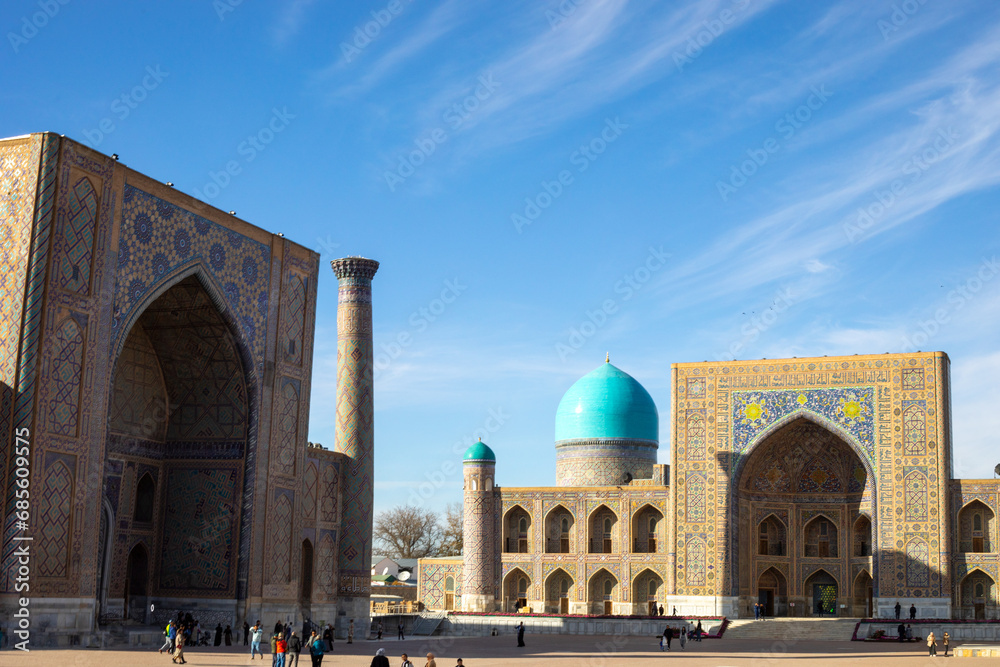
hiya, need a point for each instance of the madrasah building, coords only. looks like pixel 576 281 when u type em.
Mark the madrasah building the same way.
pixel 811 485
pixel 155 379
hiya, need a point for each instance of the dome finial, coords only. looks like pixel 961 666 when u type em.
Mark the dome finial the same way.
pixel 607 357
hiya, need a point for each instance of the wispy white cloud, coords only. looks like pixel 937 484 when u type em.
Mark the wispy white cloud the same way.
pixel 290 20
pixel 947 146
pixel 975 416
pixel 441 21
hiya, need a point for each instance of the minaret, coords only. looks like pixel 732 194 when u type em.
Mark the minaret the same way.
pixel 478 535
pixel 355 434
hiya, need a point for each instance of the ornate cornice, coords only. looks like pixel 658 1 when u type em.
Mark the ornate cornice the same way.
pixel 354 267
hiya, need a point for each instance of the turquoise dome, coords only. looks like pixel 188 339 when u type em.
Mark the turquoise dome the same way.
pixel 607 403
pixel 479 452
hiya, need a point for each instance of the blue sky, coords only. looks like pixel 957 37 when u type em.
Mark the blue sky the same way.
pixel 544 182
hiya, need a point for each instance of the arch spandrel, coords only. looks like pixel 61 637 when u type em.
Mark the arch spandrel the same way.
pixel 864 452
pixel 161 240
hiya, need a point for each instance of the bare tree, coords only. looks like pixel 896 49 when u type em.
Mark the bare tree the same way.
pixel 451 531
pixel 407 532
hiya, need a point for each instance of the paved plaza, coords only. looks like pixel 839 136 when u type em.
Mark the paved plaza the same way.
pixel 548 650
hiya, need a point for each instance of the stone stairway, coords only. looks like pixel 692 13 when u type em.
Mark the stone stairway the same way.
pixel 428 623
pixel 792 629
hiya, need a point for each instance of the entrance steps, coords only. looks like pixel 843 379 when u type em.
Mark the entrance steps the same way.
pixel 428 623
pixel 792 629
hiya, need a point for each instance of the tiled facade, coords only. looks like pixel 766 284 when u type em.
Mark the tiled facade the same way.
pixel 157 352
pixel 817 484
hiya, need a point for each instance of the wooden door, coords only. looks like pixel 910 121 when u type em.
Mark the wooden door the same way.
pixel 766 597
pixel 607 607
pixel 563 605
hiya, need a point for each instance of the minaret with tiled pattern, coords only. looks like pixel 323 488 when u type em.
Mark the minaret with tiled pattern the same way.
pixel 355 435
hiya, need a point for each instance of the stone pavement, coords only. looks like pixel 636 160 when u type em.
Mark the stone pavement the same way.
pixel 547 650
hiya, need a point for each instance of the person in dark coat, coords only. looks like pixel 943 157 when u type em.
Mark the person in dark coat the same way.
pixel 218 634
pixel 229 636
pixel 661 610
pixel 380 660
pixel 913 611
pixel 520 634
pixel 901 631
pixel 697 632
pixel 246 632
pixel 898 608
pixel 294 649
pixel 668 634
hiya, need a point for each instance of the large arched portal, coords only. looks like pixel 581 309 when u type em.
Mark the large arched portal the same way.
pixel 803 506
pixel 178 426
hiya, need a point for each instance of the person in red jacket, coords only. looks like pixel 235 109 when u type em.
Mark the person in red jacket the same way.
pixel 280 648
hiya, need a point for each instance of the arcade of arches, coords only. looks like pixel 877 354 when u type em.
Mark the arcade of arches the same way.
pixel 804 508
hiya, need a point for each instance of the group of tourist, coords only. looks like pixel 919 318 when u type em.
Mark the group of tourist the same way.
pixel 286 646
pixel 381 660
pixel 913 610
pixel 683 634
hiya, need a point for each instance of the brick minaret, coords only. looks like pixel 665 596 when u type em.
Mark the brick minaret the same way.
pixel 478 530
pixel 355 436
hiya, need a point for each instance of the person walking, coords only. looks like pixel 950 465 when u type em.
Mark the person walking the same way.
pixel 406 661
pixel 246 632
pixel 328 637
pixel 229 636
pixel 931 644
pixel 179 651
pixel 901 631
pixel 218 634
pixel 756 611
pixel 317 647
pixel 430 661
pixel 400 629
pixel 168 643
pixel 697 631
pixel 946 642
pixel 294 648
pixel 380 660
pixel 898 608
pixel 280 650
pixel 683 636
pixel 350 632
pixel 256 634
pixel 520 634
pixel 380 628
pixel 668 634
pixel 274 648
pixel 913 611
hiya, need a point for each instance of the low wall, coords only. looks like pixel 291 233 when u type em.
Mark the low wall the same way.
pixel 481 625
pixel 959 630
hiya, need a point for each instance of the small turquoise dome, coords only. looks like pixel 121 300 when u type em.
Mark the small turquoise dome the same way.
pixel 607 403
pixel 479 452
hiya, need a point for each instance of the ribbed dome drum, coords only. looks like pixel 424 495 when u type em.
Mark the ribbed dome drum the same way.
pixel 607 430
